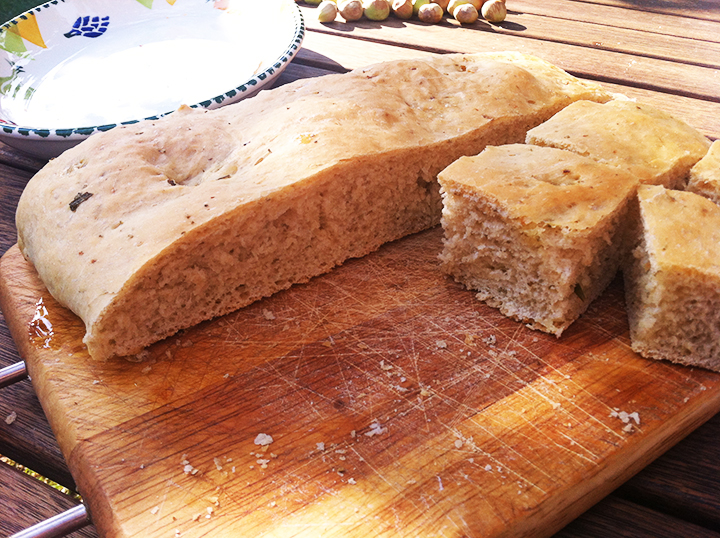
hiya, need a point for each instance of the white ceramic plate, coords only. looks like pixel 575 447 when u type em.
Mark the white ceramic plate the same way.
pixel 69 68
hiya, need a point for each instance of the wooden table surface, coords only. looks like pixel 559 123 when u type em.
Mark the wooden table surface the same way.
pixel 664 52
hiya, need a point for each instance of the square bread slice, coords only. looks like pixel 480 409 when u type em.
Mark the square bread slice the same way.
pixel 705 175
pixel 537 232
pixel 672 278
pixel 150 228
pixel 651 144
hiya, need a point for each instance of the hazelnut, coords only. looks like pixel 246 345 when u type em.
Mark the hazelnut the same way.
pixel 466 14
pixel 494 10
pixel 327 11
pixel 430 13
pixel 403 9
pixel 351 10
pixel 417 4
pixel 453 4
pixel 442 3
pixel 376 10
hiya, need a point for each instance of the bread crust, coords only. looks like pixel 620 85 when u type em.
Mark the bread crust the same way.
pixel 672 278
pixel 537 232
pixel 202 212
pixel 705 175
pixel 651 144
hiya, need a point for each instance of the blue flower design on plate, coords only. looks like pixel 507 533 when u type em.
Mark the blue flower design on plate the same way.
pixel 89 26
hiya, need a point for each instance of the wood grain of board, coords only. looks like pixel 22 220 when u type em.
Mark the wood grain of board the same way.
pixel 398 405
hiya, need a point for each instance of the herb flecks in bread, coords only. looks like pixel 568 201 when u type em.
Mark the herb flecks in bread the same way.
pixel 672 278
pixel 649 143
pixel 537 232
pixel 200 213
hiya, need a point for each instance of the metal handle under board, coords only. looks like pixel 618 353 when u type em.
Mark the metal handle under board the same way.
pixel 61 524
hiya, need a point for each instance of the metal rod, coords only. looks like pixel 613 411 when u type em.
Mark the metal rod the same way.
pixel 59 525
pixel 12 374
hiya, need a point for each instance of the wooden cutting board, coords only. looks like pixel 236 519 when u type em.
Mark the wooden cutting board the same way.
pixel 397 405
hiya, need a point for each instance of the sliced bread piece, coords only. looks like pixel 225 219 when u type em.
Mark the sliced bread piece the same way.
pixel 154 227
pixel 537 232
pixel 705 175
pixel 651 144
pixel 672 278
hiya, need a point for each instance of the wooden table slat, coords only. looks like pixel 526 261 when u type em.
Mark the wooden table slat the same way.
pixel 692 51
pixel 708 10
pixel 27 501
pixel 622 16
pixel 683 482
pixel 617 67
pixel 618 518
pixel 29 439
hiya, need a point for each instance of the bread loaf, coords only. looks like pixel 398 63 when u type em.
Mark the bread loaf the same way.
pixel 705 175
pixel 672 279
pixel 651 144
pixel 537 232
pixel 154 227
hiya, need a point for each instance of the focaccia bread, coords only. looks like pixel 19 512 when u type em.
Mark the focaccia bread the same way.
pixel 537 232
pixel 150 228
pixel 672 279
pixel 650 143
pixel 705 175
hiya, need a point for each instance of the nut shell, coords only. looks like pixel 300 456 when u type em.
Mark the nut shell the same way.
pixel 377 10
pixel 351 10
pixel 430 13
pixel 466 14
pixel 403 9
pixel 327 11
pixel 417 4
pixel 494 10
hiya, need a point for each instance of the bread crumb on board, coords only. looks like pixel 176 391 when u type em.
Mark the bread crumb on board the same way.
pixel 627 419
pixel 263 439
pixel 11 418
pixel 187 468
pixel 376 429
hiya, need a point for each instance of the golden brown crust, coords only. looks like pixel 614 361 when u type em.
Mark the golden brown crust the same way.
pixel 651 144
pixel 682 230
pixel 672 279
pixel 705 175
pixel 537 232
pixel 160 190
pixel 542 186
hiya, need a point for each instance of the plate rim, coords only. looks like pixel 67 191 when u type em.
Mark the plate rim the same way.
pixel 254 83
